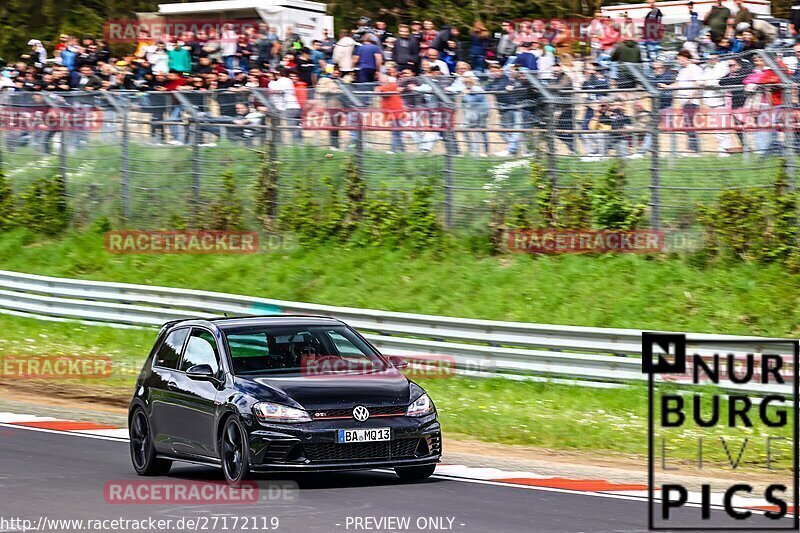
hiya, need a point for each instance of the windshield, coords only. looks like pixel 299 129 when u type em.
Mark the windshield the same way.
pixel 299 349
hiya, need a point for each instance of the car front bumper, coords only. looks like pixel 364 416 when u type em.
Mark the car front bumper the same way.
pixel 312 446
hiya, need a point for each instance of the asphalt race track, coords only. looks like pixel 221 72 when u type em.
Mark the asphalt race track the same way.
pixel 63 476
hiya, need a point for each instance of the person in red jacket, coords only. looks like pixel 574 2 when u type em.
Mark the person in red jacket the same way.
pixel 300 89
pixel 393 108
pixel 764 102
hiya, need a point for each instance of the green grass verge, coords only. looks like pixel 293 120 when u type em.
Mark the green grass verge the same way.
pixel 497 410
pixel 603 291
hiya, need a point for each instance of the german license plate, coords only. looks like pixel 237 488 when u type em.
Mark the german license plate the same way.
pixel 345 436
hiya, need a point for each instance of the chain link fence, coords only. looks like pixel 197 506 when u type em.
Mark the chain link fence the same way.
pixel 684 132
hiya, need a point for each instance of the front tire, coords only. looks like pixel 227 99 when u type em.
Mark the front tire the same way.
pixel 235 452
pixel 143 454
pixel 414 473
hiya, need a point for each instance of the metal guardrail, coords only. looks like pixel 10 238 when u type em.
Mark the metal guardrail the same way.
pixel 599 357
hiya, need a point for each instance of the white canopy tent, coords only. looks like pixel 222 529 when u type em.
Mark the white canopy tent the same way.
pixel 307 19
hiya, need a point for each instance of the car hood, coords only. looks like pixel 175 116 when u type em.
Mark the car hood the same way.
pixel 332 391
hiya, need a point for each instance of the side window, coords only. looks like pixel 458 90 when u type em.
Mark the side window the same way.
pixel 201 350
pixel 170 352
pixel 344 346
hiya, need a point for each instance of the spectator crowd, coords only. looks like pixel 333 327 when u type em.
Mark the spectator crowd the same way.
pixel 469 64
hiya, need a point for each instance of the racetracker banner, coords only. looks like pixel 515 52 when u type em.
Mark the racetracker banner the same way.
pixel 417 119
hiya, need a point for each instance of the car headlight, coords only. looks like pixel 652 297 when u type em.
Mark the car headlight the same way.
pixel 275 412
pixel 420 407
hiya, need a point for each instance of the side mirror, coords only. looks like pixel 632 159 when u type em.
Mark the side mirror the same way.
pixel 397 361
pixel 201 373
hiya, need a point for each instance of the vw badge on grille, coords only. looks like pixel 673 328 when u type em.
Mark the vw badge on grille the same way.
pixel 360 413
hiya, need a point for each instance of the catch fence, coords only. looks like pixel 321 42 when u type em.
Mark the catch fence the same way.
pixel 152 159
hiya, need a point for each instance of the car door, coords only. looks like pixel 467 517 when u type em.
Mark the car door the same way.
pixel 161 387
pixel 195 400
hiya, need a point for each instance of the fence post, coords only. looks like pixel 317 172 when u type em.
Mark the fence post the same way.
pixel 125 167
pixel 62 156
pixel 272 157
pixel 448 185
pixel 655 162
pixel 124 162
pixel 550 112
pixel 655 165
pixel 197 172
pixel 196 136
pixel 551 146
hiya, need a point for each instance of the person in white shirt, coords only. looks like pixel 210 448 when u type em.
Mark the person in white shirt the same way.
pixel 687 95
pixel 714 99
pixel 433 58
pixel 281 91
pixel 343 52
pixel 229 44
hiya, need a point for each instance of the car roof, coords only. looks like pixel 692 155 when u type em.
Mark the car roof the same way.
pixel 226 323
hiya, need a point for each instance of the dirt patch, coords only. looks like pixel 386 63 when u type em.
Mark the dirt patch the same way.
pixel 64 394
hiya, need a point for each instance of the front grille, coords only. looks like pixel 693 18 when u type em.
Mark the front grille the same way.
pixel 325 452
pixel 392 410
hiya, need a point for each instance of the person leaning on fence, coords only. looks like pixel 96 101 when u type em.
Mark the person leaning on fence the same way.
pixel 642 139
pixel 714 99
pixel 282 93
pixel 392 105
pixel 476 112
pixel 506 91
pixel 328 96
pixel 733 83
pixel 764 102
pixel 594 84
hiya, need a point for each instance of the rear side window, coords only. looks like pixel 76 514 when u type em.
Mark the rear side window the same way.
pixel 201 350
pixel 170 352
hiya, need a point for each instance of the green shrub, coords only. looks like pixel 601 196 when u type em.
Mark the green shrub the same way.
pixel 544 197
pixel 225 211
pixel 575 206
pixel 7 209
pixel 611 207
pixel 423 230
pixel 43 206
pixel 753 224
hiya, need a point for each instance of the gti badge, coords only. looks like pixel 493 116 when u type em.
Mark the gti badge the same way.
pixel 360 413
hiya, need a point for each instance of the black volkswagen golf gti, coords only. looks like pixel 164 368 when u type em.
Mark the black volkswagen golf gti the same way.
pixel 276 394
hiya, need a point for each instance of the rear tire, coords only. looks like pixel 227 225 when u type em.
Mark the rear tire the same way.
pixel 143 454
pixel 414 473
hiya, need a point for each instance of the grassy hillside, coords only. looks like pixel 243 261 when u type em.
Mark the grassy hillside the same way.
pixel 605 291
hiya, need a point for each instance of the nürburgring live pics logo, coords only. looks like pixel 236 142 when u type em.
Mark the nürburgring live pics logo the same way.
pixel 731 404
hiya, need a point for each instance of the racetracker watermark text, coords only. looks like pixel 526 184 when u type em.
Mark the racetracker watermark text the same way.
pixel 181 242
